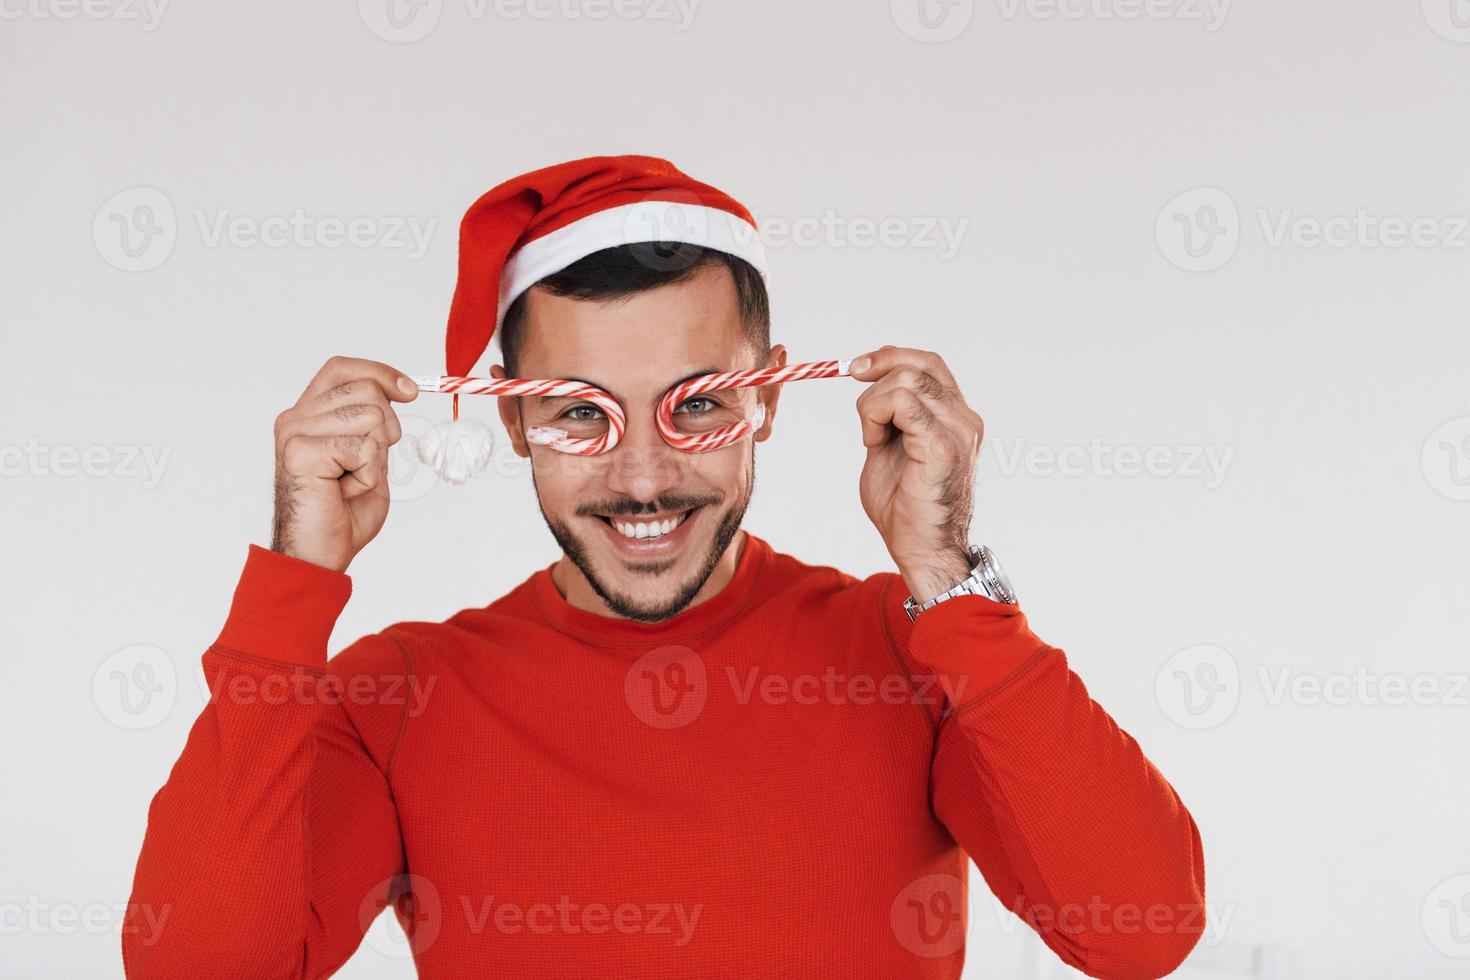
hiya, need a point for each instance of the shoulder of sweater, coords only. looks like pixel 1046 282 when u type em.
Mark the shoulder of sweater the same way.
pixel 468 629
pixel 837 590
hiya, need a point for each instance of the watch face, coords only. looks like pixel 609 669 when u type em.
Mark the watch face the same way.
pixel 997 576
pixel 1004 583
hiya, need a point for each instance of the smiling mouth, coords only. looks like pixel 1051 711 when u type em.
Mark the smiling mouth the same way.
pixel 646 530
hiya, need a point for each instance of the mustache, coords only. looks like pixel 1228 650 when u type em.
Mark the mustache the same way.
pixel 627 507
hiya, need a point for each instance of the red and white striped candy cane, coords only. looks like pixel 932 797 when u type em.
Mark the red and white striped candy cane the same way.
pixel 734 379
pixel 549 436
pixel 558 439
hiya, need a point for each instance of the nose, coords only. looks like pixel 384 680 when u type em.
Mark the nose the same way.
pixel 642 465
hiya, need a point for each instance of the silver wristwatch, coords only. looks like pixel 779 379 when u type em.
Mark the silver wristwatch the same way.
pixel 986 578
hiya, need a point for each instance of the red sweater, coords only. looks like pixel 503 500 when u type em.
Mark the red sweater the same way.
pixel 783 781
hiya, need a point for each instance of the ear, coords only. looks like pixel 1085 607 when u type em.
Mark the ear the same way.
pixel 770 394
pixel 510 416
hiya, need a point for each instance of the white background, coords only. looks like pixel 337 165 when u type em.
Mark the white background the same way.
pixel 1331 545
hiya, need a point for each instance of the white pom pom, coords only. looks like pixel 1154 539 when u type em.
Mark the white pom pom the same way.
pixel 458 449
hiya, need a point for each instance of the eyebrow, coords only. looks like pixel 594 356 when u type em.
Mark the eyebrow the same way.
pixel 688 377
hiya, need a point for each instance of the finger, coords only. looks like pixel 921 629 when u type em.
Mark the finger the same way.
pixel 338 371
pixel 328 457
pixel 353 419
pixel 878 401
pixel 928 432
pixel 345 394
pixel 354 390
pixel 381 487
pixel 888 357
pixel 371 478
pixel 931 387
pixel 946 403
pixel 895 408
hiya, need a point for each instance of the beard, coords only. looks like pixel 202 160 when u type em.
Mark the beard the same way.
pixel 625 605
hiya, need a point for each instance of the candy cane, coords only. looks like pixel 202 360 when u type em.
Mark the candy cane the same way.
pixel 734 379
pixel 549 436
pixel 560 441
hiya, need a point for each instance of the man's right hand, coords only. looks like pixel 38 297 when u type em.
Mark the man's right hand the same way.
pixel 332 461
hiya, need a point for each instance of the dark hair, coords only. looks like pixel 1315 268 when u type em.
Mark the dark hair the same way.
pixel 619 272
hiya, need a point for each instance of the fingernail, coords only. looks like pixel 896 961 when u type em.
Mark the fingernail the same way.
pixel 406 386
pixel 859 366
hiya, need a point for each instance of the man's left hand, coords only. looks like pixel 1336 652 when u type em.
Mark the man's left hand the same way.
pixel 918 481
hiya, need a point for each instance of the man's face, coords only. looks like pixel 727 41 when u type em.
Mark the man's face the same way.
pixel 636 349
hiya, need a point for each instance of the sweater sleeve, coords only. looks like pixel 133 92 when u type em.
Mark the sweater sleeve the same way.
pixel 273 843
pixel 1073 829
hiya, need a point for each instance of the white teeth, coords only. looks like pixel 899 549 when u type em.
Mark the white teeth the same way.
pixel 643 531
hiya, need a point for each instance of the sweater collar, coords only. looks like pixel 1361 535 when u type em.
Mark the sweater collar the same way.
pixel 714 613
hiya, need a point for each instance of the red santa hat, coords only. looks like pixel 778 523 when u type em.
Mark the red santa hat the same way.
pixel 539 223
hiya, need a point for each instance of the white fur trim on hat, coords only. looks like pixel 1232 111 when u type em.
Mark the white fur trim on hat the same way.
pixel 645 221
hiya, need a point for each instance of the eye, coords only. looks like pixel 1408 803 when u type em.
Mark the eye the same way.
pixel 709 402
pixel 595 416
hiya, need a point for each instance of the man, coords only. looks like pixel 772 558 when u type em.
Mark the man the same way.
pixel 675 752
